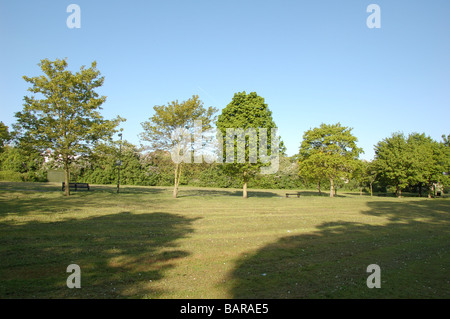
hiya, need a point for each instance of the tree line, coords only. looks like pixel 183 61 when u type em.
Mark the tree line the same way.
pixel 61 127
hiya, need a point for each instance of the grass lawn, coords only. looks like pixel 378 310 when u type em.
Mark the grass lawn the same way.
pixel 211 243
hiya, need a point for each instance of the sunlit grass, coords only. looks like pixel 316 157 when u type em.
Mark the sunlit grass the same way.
pixel 211 243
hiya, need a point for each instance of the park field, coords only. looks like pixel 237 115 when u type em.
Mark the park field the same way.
pixel 211 243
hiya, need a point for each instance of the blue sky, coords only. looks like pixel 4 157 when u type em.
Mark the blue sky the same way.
pixel 313 61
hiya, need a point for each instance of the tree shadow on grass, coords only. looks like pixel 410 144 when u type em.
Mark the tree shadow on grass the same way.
pixel 21 203
pixel 120 255
pixel 411 248
pixel 234 193
pixel 321 194
pixel 126 189
pixel 57 187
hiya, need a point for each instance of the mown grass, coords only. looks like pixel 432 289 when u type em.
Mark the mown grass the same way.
pixel 210 243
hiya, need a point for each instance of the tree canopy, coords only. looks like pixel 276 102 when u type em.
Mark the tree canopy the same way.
pixel 4 136
pixel 414 160
pixel 62 114
pixel 245 115
pixel 328 151
pixel 166 130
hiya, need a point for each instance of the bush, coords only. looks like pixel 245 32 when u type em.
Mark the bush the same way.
pixel 10 176
pixel 39 176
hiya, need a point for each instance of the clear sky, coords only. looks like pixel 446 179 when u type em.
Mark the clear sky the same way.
pixel 313 61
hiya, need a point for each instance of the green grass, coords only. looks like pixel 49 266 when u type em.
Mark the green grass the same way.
pixel 210 243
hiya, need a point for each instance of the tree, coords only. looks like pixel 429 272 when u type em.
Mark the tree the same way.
pixel 312 169
pixel 4 136
pixel 170 128
pixel 63 113
pixel 245 115
pixel 446 139
pixel 416 160
pixel 428 161
pixel 392 161
pixel 328 151
pixel 365 175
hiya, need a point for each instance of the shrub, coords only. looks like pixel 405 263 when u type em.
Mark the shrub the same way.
pixel 10 176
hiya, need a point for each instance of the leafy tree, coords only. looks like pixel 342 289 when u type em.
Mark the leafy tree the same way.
pixel 328 151
pixel 416 160
pixel 312 169
pixel 63 112
pixel 4 136
pixel 446 140
pixel 249 113
pixel 365 175
pixel 428 161
pixel 392 161
pixel 167 128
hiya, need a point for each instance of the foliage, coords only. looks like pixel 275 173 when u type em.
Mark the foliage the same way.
pixel 328 152
pixel 392 162
pixel 428 159
pixel 24 164
pixel 63 112
pixel 246 112
pixel 364 175
pixel 166 129
pixel 414 160
pixel 4 136
pixel 10 176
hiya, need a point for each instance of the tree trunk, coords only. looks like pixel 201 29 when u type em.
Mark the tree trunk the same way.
pixel 320 192
pixel 66 177
pixel 420 189
pixel 399 193
pixel 371 189
pixel 331 188
pixel 360 191
pixel 244 190
pixel 177 180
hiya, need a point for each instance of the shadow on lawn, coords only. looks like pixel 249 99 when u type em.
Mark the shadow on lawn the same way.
pixel 57 187
pixel 412 250
pixel 22 203
pixel 236 193
pixel 120 255
pixel 321 194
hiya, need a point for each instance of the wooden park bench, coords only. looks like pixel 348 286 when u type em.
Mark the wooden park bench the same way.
pixel 297 194
pixel 76 185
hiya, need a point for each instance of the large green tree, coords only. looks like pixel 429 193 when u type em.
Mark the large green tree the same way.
pixel 428 160
pixel 328 151
pixel 416 160
pixel 171 126
pixel 393 162
pixel 247 114
pixel 62 114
